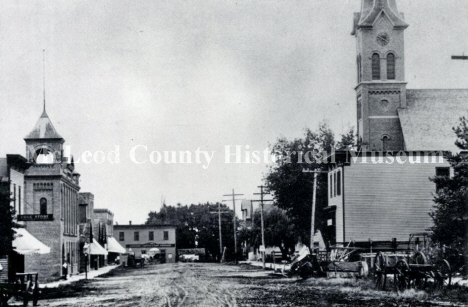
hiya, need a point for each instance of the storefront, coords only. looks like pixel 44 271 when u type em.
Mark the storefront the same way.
pixel 95 251
pixel 23 244
pixel 114 249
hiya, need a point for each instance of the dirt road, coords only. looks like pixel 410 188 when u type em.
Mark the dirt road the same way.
pixel 207 284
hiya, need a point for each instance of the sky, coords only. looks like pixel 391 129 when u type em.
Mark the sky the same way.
pixel 161 76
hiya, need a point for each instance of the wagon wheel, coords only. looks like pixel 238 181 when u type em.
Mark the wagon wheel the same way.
pixel 419 258
pixel 401 278
pixel 442 274
pixel 380 277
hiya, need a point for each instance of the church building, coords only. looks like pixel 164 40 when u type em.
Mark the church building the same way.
pixel 382 192
pixel 51 202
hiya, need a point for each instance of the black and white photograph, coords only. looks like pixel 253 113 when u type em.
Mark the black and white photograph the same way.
pixel 234 153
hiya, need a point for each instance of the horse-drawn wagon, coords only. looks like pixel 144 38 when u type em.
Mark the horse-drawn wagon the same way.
pixel 412 267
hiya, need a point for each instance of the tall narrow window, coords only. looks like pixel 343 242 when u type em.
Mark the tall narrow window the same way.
pixel 391 66
pixel 166 235
pixel 385 140
pixel 359 75
pixel 19 199
pixel 334 179
pixel 136 236
pixel 14 196
pixel 338 183
pixel 375 67
pixel 151 236
pixel 43 206
pixel 331 186
pixel 121 236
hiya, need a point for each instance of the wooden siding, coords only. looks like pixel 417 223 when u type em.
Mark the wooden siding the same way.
pixel 338 202
pixel 385 201
pixel 4 272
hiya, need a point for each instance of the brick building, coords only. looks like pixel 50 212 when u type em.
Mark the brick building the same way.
pixel 372 196
pixel 86 222
pixel 141 238
pixel 51 196
pixel 103 229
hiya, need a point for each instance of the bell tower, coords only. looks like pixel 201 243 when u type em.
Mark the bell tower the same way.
pixel 381 87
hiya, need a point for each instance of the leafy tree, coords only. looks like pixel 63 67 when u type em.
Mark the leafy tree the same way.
pixel 6 221
pixel 278 230
pixel 196 226
pixel 292 186
pixel 451 200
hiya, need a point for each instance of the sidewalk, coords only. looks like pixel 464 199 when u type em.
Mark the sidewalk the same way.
pixel 91 274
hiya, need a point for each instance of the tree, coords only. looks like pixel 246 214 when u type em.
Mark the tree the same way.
pixel 451 199
pixel 6 221
pixel 196 226
pixel 292 185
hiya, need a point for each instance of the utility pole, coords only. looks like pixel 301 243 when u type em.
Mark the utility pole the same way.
pixel 261 200
pixel 314 198
pixel 234 221
pixel 219 224
pixel 463 57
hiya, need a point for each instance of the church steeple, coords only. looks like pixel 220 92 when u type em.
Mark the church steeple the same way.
pixel 381 87
pixel 371 10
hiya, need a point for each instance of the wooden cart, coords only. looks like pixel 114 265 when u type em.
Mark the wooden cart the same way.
pixel 26 288
pixel 410 270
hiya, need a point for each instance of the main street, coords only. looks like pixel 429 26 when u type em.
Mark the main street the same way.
pixel 210 284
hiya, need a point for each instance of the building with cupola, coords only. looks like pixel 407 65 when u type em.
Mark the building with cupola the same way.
pixel 51 201
pixel 381 192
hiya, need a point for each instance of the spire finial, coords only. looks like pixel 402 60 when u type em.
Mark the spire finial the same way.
pixel 43 78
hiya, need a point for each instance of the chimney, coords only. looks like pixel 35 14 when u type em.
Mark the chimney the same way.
pixel 130 222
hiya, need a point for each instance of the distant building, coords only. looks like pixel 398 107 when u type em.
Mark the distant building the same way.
pixel 104 230
pixel 247 213
pixel 249 208
pixel 379 199
pixel 140 239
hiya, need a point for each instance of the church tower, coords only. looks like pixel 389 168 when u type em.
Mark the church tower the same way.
pixel 381 87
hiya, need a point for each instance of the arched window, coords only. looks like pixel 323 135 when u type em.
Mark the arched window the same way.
pixel 43 206
pixel 385 140
pixel 375 66
pixel 391 66
pixel 44 156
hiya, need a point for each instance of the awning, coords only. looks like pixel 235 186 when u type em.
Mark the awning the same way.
pixel 96 249
pixel 114 247
pixel 25 243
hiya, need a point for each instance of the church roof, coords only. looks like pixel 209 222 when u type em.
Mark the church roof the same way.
pixel 371 10
pixel 430 116
pixel 43 129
